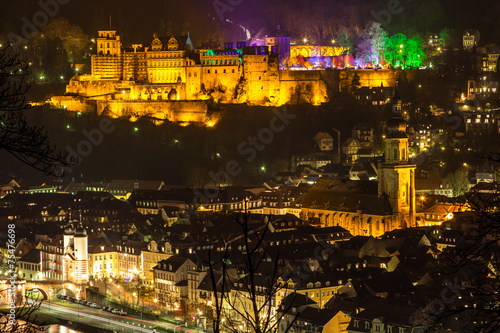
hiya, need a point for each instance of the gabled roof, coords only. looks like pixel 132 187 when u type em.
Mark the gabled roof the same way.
pixel 295 300
pixel 317 317
pixel 391 314
pixel 33 256
pixel 322 135
pixel 171 264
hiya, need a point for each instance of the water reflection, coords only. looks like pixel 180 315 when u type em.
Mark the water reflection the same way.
pixel 60 329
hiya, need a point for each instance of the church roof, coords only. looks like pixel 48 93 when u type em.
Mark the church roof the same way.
pixel 347 196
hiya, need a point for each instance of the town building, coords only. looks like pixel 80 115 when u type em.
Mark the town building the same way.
pixel 370 207
pixel 470 39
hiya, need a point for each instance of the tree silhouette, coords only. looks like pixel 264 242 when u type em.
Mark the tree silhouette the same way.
pixel 245 287
pixel 29 144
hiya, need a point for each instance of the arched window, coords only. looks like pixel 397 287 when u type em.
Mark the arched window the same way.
pixel 395 153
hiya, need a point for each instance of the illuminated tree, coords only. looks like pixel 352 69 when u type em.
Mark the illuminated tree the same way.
pixel 394 48
pixel 403 52
pixel 342 39
pixel 371 44
pixel 414 53
pixel 445 37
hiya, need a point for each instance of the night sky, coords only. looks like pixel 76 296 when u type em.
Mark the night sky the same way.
pixel 137 20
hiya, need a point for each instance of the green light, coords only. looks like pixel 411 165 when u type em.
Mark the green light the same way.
pixel 263 168
pixel 176 141
pixel 218 155
pixel 136 129
pixel 67 126
pixel 413 55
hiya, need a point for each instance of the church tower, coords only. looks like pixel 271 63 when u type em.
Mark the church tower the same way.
pixel 396 174
pixel 81 272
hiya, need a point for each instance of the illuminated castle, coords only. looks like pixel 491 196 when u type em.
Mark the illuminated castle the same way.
pixel 370 207
pixel 168 79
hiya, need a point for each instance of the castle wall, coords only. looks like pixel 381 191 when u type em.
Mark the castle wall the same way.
pixel 373 78
pixel 221 79
pixel 70 103
pixel 175 111
pixel 85 86
pixel 261 75
pixel 302 86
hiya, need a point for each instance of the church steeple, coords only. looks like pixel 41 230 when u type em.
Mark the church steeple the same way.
pixel 396 175
pixel 396 143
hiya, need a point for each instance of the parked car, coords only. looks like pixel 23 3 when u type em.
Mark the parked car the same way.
pixel 74 300
pixel 70 299
pixel 109 309
pixel 87 303
pixel 122 313
pixel 105 308
pixel 93 305
pixel 115 311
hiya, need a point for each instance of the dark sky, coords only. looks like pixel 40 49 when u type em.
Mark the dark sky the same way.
pixel 137 20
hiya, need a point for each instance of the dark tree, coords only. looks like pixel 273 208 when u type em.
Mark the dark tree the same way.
pixel 24 319
pixel 247 284
pixel 29 144
pixel 355 84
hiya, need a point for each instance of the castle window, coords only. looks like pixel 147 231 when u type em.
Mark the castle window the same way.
pixel 195 74
pixel 215 71
pixel 208 71
pixel 224 71
pixel 233 70
pixel 395 153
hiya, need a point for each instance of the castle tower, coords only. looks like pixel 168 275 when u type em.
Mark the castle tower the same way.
pixel 396 174
pixel 69 233
pixel 81 273
pixel 108 43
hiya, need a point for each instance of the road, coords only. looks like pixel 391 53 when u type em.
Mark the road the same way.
pixel 107 320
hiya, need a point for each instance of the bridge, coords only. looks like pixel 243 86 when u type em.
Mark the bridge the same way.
pixel 40 289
